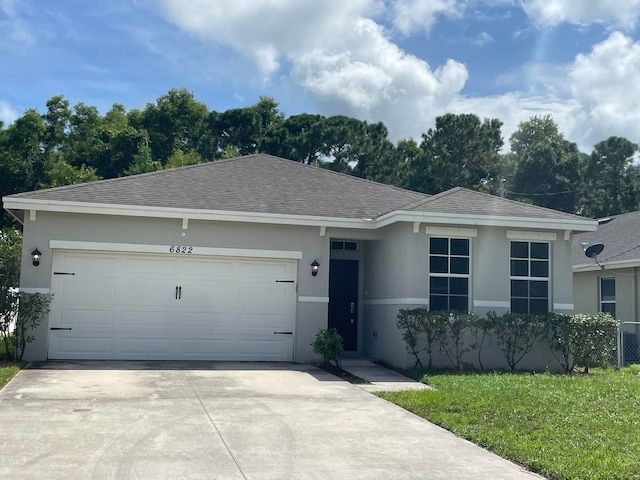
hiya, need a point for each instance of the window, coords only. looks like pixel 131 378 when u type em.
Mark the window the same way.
pixel 344 245
pixel 608 295
pixel 449 274
pixel 529 277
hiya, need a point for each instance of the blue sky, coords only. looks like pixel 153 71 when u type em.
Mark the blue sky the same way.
pixel 402 62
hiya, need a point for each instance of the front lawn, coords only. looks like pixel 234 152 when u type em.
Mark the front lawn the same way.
pixel 7 371
pixel 561 426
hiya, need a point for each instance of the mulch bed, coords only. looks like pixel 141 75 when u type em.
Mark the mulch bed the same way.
pixel 343 374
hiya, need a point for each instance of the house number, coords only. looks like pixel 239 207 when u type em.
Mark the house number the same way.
pixel 180 249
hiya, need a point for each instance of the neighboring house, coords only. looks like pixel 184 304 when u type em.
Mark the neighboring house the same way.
pixel 216 261
pixel 609 282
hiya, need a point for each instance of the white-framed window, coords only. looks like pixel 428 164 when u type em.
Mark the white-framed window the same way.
pixel 530 274
pixel 608 295
pixel 449 271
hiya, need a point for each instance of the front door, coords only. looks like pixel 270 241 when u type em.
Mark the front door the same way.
pixel 343 301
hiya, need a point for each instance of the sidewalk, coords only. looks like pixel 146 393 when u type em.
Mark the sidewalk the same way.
pixel 382 379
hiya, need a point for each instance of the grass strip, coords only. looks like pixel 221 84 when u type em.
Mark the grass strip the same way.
pixel 561 426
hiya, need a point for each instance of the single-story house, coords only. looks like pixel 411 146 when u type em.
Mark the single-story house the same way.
pixel 247 258
pixel 608 281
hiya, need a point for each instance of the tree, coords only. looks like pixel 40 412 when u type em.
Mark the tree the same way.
pixel 175 121
pixel 546 170
pixel 609 179
pixel 461 151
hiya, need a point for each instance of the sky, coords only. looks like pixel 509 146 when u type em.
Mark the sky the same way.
pixel 400 62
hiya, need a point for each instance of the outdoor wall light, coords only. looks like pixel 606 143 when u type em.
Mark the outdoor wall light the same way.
pixel 314 268
pixel 36 257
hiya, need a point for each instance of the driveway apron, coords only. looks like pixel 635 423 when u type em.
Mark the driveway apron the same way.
pixel 216 420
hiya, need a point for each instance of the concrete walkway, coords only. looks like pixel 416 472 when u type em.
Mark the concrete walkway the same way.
pixel 217 420
pixel 381 379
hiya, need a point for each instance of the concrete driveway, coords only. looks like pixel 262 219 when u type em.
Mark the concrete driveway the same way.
pixel 157 420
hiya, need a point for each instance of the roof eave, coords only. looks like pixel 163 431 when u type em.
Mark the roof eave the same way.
pixel 593 267
pixel 576 225
pixel 58 206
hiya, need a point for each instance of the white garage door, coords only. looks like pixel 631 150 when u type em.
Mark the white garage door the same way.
pixel 171 307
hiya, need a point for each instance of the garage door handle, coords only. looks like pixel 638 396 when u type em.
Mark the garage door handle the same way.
pixel 59 328
pixel 178 292
pixel 283 333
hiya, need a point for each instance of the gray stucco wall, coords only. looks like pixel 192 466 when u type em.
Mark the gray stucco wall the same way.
pixel 396 277
pixel 156 231
pixel 586 292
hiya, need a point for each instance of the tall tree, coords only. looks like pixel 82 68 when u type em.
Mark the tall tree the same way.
pixel 175 121
pixel 461 151
pixel 546 170
pixel 609 179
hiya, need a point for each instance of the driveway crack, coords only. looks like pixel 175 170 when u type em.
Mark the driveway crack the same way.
pixel 215 427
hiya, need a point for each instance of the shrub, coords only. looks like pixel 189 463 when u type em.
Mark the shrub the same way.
pixel 421 330
pixel 582 339
pixel 456 325
pixel 593 338
pixel 328 344
pixel 516 334
pixel 20 315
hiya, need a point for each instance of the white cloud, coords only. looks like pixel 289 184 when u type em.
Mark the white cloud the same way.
pixel 617 13
pixel 7 113
pixel 605 82
pixel 337 53
pixel 410 16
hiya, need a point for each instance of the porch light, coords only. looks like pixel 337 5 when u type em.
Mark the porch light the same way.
pixel 36 257
pixel 314 268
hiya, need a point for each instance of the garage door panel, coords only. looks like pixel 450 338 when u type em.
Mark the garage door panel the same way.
pixel 148 320
pixel 88 319
pixel 269 347
pixel 260 322
pixel 95 265
pixel 146 346
pixel 87 291
pixel 146 266
pixel 124 306
pixel 82 346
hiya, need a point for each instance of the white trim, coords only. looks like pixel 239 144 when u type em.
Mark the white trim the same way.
pixel 490 304
pixel 323 230
pixel 521 235
pixel 164 249
pixel 577 224
pixel 32 215
pixel 567 235
pixel 397 301
pixel 303 299
pixel 608 266
pixel 45 291
pixel 563 306
pixel 193 214
pixel 416 227
pixel 452 232
pixel 185 223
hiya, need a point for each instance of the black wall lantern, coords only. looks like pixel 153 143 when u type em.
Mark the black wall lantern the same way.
pixel 36 257
pixel 314 268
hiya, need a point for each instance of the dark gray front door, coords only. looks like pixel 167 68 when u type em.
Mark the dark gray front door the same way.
pixel 343 301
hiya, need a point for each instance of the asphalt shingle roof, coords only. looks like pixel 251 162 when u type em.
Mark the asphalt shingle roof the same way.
pixel 266 184
pixel 620 235
pixel 462 201
pixel 254 183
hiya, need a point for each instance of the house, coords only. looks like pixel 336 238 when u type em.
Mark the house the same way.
pixel 608 281
pixel 246 258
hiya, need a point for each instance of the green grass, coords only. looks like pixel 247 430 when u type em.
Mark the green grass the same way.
pixel 8 371
pixel 561 426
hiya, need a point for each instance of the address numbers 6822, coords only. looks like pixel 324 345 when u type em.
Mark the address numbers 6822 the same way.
pixel 180 249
